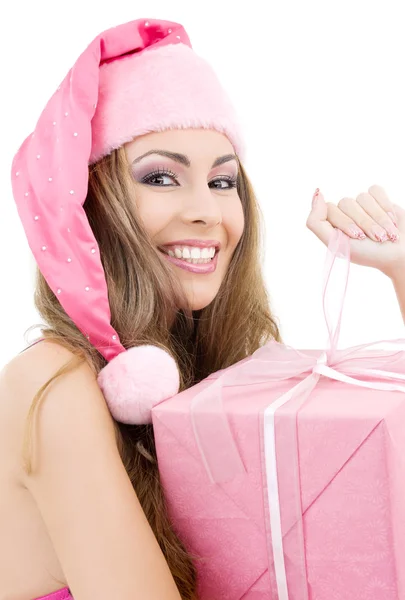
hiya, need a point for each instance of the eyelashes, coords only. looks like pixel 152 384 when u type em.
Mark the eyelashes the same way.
pixel 161 174
pixel 158 174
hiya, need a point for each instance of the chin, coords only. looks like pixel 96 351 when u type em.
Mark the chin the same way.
pixel 200 294
pixel 199 305
pixel 202 301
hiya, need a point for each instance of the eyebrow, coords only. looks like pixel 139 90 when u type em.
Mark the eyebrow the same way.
pixel 183 159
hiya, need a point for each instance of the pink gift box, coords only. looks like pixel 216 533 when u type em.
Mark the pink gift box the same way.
pixel 296 497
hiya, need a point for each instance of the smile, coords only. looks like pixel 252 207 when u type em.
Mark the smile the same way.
pixel 193 268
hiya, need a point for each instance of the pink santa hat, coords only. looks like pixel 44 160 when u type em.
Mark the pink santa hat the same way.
pixel 137 78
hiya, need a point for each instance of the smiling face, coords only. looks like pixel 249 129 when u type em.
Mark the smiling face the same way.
pixel 185 189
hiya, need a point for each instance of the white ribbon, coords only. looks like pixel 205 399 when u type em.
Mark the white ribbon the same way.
pixel 321 368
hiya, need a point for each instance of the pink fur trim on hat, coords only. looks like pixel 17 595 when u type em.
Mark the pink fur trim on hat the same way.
pixel 169 87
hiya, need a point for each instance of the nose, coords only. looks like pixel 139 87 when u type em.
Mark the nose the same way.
pixel 202 205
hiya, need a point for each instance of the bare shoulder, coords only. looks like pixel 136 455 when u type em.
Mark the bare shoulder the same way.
pixel 35 365
pixel 65 402
pixel 80 485
pixel 30 370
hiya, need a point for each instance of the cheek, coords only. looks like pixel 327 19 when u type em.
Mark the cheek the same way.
pixel 153 214
pixel 234 221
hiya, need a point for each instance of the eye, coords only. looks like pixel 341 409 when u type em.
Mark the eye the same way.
pixel 230 183
pixel 159 177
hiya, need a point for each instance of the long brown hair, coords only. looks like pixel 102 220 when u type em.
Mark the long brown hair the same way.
pixel 145 297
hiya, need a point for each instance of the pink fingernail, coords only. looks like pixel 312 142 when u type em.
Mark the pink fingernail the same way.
pixel 394 237
pixel 357 233
pixel 379 234
pixel 315 197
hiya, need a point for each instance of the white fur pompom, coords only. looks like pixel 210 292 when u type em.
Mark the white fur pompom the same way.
pixel 136 380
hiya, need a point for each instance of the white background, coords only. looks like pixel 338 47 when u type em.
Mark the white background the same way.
pixel 319 87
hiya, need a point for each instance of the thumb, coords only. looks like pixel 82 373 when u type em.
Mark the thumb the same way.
pixel 319 209
pixel 317 220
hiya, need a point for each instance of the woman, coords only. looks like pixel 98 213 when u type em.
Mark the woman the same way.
pixel 142 135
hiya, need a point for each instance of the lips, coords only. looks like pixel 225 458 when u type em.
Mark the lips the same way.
pixel 198 268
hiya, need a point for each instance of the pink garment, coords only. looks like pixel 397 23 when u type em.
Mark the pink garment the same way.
pixel 63 594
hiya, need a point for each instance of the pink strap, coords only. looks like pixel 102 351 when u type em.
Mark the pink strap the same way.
pixel 33 344
pixel 63 594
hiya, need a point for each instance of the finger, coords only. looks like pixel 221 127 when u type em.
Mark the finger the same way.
pixel 381 196
pixel 400 216
pixel 317 221
pixel 352 210
pixel 374 210
pixel 344 221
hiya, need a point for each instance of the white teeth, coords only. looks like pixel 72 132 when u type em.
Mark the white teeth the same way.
pixel 192 253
